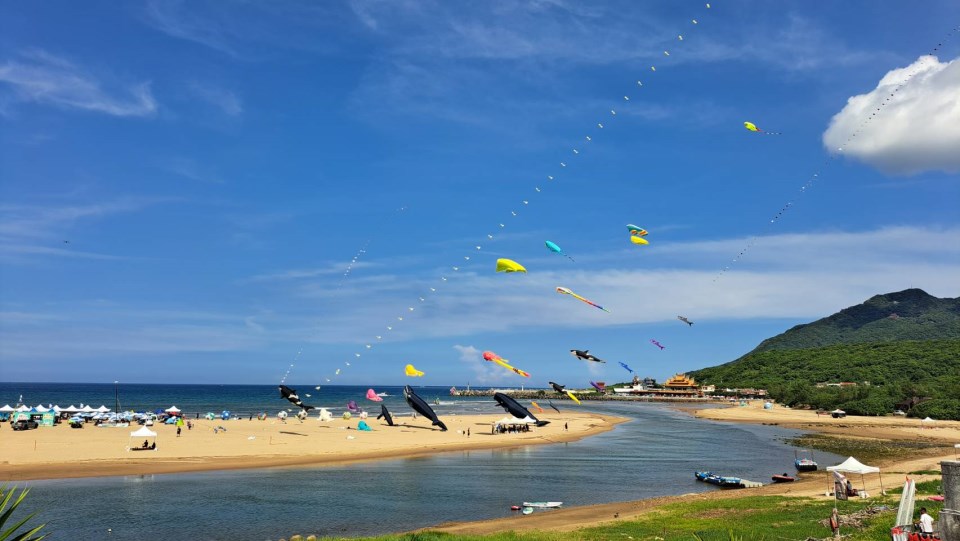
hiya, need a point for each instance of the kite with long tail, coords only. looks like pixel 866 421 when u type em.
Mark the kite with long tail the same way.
pixel 750 126
pixel 565 291
pixel 494 358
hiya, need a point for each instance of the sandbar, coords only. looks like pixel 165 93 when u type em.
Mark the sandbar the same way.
pixel 62 452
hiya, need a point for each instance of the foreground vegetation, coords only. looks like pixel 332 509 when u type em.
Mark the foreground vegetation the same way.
pixel 749 518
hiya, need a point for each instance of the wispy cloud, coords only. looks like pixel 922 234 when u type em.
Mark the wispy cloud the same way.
pixel 40 77
pixel 225 100
pixel 170 18
pixel 33 230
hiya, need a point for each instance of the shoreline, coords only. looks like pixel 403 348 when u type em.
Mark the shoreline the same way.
pixel 50 453
pixel 813 484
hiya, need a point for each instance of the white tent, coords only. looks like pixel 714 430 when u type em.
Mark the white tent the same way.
pixel 23 408
pixel 927 422
pixel 57 408
pixel 6 408
pixel 852 465
pixel 71 409
pixel 41 408
pixel 88 409
pixel 146 433
pixel 172 409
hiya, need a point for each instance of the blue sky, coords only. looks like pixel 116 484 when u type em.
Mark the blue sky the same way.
pixel 195 192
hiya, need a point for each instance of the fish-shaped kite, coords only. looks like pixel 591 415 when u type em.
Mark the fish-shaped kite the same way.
pixel 556 249
pixel 421 407
pixel 636 231
pixel 372 395
pixel 560 389
pixel 509 265
pixel 534 404
pixel 750 126
pixel 599 386
pixel 627 367
pixel 552 406
pixel 565 291
pixel 494 358
pixel 514 408
pixel 412 372
pixel 685 320
pixel 658 344
pixel 291 395
pixel 585 355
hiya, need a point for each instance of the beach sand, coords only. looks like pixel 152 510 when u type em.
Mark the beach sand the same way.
pixel 62 452
pixel 813 484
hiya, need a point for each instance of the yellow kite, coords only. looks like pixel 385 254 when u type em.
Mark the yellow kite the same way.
pixel 509 265
pixel 412 372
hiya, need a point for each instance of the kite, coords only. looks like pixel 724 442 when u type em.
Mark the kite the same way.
pixel 557 250
pixel 585 355
pixel 552 406
pixel 560 389
pixel 362 425
pixel 534 404
pixel 639 240
pixel 372 395
pixel 654 342
pixel 627 367
pixel 685 320
pixel 385 414
pixel 421 407
pixel 750 126
pixel 565 291
pixel 412 372
pixel 494 358
pixel 291 395
pixel 509 265
pixel 514 408
pixel 636 231
pixel 352 407
pixel 598 386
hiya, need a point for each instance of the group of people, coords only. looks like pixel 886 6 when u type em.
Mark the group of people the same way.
pixel 501 429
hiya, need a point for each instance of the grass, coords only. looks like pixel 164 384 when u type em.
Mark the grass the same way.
pixel 926 487
pixel 866 450
pixel 769 518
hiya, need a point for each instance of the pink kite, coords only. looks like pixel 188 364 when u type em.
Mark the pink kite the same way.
pixel 372 395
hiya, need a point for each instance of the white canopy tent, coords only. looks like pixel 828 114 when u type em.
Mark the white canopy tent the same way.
pixel 42 409
pixel 102 409
pixel 143 432
pixel 852 465
pixel 6 408
pixel 71 409
pixel 87 409
pixel 173 410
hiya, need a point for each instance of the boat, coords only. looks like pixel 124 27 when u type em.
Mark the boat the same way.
pixel 514 507
pixel 707 477
pixel 784 478
pixel 804 461
pixel 542 505
pixel 527 510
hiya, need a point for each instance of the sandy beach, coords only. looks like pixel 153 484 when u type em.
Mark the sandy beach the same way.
pixel 62 452
pixel 814 484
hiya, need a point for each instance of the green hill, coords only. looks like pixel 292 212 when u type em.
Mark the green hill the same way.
pixel 894 347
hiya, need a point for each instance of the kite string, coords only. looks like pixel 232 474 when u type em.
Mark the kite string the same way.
pixel 343 278
pixel 537 189
pixel 865 123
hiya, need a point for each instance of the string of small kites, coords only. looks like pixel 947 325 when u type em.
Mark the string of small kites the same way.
pixel 830 158
pixel 635 236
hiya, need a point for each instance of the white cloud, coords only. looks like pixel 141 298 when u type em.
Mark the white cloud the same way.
pixel 908 130
pixel 40 77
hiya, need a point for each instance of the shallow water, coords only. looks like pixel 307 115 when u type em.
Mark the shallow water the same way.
pixel 655 454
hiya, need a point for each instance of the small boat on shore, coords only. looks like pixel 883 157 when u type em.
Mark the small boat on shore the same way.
pixel 784 478
pixel 542 505
pixel 725 482
pixel 804 461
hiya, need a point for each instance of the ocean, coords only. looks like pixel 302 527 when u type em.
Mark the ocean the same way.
pixel 653 455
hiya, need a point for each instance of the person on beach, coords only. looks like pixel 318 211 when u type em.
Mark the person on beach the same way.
pixel 565 426
pixel 468 432
pixel 178 431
